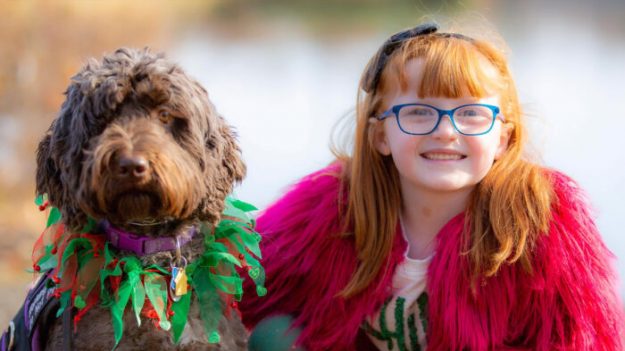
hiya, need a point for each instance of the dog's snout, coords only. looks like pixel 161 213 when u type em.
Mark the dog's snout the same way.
pixel 133 166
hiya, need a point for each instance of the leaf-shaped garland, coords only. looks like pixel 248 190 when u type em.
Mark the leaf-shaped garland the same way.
pixel 86 271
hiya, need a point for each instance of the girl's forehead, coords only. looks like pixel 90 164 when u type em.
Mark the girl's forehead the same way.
pixel 409 86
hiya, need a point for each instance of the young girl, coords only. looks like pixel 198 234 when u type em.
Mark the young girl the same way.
pixel 436 232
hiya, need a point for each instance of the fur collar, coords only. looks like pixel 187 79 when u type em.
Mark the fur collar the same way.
pixel 571 292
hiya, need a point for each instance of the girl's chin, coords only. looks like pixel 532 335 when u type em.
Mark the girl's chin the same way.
pixel 444 184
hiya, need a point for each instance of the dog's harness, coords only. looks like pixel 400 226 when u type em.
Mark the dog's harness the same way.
pixel 29 328
pixel 28 331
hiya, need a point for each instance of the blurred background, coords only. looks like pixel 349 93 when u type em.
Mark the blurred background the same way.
pixel 285 72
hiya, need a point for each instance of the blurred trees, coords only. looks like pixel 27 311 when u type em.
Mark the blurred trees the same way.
pixel 43 43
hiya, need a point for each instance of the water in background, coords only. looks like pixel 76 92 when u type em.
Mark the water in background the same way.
pixel 285 92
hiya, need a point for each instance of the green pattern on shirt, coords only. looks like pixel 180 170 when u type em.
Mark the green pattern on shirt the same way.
pixel 398 337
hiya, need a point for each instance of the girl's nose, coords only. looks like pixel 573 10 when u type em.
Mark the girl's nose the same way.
pixel 445 129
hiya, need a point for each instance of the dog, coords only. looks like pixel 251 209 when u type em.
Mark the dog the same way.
pixel 139 149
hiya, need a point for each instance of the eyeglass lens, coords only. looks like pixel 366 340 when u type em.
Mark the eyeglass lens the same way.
pixel 472 119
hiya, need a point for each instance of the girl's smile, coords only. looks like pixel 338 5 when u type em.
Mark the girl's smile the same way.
pixel 444 155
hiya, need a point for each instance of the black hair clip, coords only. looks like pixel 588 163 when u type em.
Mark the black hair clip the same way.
pixel 372 77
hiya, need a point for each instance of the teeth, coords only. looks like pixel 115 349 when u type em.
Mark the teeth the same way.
pixel 435 156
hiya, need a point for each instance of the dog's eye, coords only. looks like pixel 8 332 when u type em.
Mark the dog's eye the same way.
pixel 165 117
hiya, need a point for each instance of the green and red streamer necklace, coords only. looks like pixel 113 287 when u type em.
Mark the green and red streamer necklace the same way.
pixel 86 271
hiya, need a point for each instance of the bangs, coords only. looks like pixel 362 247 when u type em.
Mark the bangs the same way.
pixel 453 67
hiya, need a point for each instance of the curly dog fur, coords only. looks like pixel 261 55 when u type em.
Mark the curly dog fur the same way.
pixel 138 143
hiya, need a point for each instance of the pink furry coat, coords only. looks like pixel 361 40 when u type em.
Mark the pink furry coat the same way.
pixel 569 303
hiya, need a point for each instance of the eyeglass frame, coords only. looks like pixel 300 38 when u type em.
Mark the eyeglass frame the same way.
pixel 372 77
pixel 441 113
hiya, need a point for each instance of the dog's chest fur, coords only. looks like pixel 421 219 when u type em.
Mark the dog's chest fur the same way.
pixel 95 332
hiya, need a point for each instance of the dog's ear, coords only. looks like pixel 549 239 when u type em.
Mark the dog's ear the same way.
pixel 49 181
pixel 231 160
pixel 48 177
pixel 60 156
pixel 221 143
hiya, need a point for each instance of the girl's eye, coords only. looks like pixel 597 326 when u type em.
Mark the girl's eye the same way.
pixel 469 113
pixel 419 111
pixel 165 117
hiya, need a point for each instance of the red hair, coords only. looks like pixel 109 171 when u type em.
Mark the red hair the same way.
pixel 507 210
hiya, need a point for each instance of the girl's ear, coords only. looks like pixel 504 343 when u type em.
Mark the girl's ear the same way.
pixel 380 140
pixel 504 138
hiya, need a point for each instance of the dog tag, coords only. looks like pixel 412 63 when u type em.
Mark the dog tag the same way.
pixel 178 284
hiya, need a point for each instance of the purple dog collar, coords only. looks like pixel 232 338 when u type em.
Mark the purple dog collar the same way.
pixel 142 245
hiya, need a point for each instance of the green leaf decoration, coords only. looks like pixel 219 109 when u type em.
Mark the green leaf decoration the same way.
pixel 40 199
pixel 105 296
pixel 108 255
pixel 156 290
pixel 117 310
pixel 137 294
pixel 79 243
pixel 209 302
pixel 229 285
pixel 243 206
pixel 48 261
pixel 87 279
pixel 230 228
pixel 179 319
pixel 65 300
pixel 124 281
pixel 214 258
pixel 214 337
pixel 79 302
pixel 254 273
pixel 54 217
pixel 233 212
pixel 238 209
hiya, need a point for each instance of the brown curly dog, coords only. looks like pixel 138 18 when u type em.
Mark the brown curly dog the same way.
pixel 138 143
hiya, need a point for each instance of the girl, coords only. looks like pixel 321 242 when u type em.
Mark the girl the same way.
pixel 436 232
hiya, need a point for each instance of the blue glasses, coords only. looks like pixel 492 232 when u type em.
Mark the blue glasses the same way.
pixel 422 119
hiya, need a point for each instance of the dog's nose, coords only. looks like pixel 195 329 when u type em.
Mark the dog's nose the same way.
pixel 133 166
